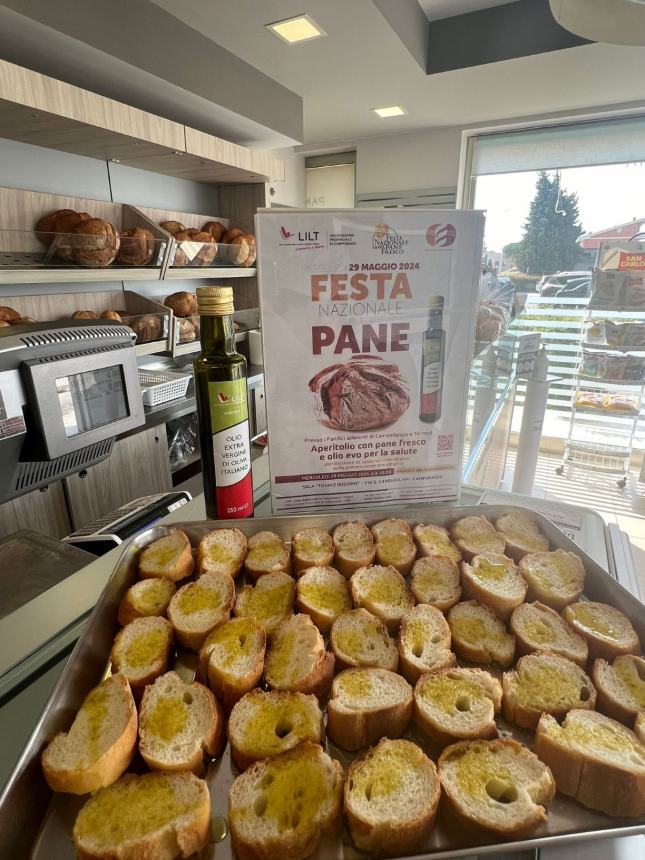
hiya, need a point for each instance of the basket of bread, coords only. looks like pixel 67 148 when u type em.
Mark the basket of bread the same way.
pixel 385 687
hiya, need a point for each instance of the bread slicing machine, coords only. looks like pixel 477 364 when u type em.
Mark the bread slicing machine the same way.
pixel 66 391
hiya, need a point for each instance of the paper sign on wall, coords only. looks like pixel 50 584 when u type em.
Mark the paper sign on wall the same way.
pixel 368 332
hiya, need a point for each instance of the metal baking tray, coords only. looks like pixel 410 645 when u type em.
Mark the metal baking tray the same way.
pixel 38 825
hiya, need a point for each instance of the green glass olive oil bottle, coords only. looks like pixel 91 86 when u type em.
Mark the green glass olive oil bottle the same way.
pixel 222 409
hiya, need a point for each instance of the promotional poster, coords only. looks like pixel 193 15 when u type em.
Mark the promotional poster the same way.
pixel 368 328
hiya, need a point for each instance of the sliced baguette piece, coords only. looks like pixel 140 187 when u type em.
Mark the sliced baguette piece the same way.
pixel 179 723
pixel 424 643
pixel 269 601
pixel 479 635
pixel 521 533
pixel 267 553
pixel 311 547
pixel 621 687
pixel 170 557
pixel 281 807
pixel 395 546
pixel 264 724
pixel 152 815
pixel 496 786
pixel 141 650
pixel 297 659
pixel 596 760
pixel 554 578
pixel 435 540
pixel 222 551
pixel 639 727
pixel 608 632
pixel 476 535
pixel 383 592
pixel 146 597
pixel 323 594
pixel 199 607
pixel 359 638
pixel 100 743
pixel 435 579
pixel 232 659
pixel 391 798
pixel 367 705
pixel 545 683
pixel 457 704
pixel 494 580
pixel 353 547
pixel 539 628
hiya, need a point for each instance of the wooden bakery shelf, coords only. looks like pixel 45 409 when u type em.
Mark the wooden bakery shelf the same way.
pixel 46 112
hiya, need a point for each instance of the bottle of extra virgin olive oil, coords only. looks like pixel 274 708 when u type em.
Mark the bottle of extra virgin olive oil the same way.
pixel 432 359
pixel 222 409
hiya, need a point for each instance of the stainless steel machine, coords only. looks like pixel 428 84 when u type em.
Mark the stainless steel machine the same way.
pixel 66 392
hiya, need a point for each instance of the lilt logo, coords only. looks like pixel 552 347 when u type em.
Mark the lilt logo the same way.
pixel 286 234
pixel 441 235
pixel 387 240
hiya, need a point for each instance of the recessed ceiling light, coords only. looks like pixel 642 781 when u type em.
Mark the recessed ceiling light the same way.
pixel 394 110
pixel 302 28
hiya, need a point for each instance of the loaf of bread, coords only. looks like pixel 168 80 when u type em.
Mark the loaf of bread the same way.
pixel 182 304
pixel 111 315
pixel 137 247
pixel 215 229
pixel 97 244
pixel 46 225
pixel 85 315
pixel 172 227
pixel 8 314
pixel 147 327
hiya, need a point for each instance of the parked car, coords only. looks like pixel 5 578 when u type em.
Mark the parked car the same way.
pixel 562 279
pixel 575 290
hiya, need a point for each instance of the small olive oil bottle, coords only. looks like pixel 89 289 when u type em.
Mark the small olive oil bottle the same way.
pixel 222 409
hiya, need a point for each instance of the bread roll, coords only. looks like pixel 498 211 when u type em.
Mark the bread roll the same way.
pixel 137 247
pixel 101 246
pixel 182 304
pixel 216 230
pixel 172 227
pixel 146 328
pixel 208 251
pixel 231 234
pixel 111 315
pixel 8 314
pixel 85 315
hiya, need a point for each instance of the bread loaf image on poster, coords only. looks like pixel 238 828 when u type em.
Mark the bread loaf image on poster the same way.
pixel 363 394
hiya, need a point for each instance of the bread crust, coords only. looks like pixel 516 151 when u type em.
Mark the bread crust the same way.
pixel 180 568
pixel 594 781
pixel 391 835
pixel 352 728
pixel 503 596
pixel 575 650
pixel 528 715
pixel 106 768
pixel 601 642
pixel 345 538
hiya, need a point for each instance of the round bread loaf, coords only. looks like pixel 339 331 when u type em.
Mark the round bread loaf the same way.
pixel 111 315
pixel 46 225
pixel 137 247
pixel 146 328
pixel 85 315
pixel 172 227
pixel 216 229
pixel 100 247
pixel 182 304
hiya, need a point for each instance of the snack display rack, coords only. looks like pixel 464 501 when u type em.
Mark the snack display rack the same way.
pixel 609 378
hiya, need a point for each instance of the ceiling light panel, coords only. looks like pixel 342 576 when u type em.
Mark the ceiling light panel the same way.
pixel 386 112
pixel 302 28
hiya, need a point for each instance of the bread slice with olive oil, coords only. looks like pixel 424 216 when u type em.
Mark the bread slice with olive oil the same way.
pixel 383 592
pixel 141 650
pixel 639 727
pixel 545 683
pixel 179 723
pixel 394 545
pixel 494 580
pixel 457 704
pixel 267 723
pixel 424 643
pixel 282 807
pixel 144 598
pixel 435 541
pixel 269 601
pixel 621 687
pixel 608 632
pixel 170 557
pixel 539 628
pixel 359 638
pixel 554 578
pixel 496 786
pixel 231 659
pixel 222 551
pixel 160 815
pixel 436 580
pixel 323 594
pixel 595 760
pixel 199 607
pixel 353 547
pixel 267 553
pixel 311 547
pixel 391 798
pixel 522 534
pixel 297 658
pixel 367 705
pixel 100 743
pixel 479 635
pixel 476 535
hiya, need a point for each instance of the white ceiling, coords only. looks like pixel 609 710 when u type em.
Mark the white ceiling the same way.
pixel 437 9
pixel 361 64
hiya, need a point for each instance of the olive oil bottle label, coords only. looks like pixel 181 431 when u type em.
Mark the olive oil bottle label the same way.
pixel 231 448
